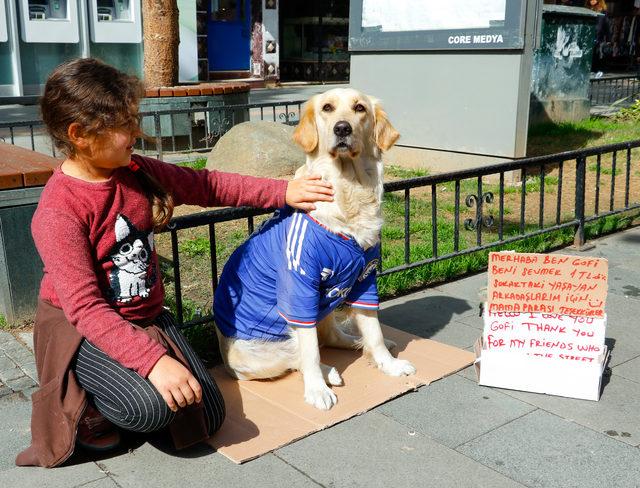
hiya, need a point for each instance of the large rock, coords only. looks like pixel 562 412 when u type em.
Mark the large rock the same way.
pixel 258 149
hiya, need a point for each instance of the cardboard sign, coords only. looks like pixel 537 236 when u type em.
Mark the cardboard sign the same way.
pixel 568 337
pixel 553 376
pixel 546 283
pixel 544 324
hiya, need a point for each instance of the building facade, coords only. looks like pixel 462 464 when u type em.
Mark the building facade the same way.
pixel 271 40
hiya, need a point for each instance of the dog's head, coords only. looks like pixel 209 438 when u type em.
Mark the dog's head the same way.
pixel 344 122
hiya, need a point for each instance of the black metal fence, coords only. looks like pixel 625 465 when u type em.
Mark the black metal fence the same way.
pixel 467 211
pixel 198 129
pixel 615 90
pixel 194 129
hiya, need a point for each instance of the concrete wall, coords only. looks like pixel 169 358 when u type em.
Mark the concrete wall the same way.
pixel 466 102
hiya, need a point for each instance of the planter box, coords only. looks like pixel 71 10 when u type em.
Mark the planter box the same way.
pixel 188 130
pixel 22 176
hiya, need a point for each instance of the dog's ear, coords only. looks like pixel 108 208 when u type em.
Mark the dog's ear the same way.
pixel 385 134
pixel 306 133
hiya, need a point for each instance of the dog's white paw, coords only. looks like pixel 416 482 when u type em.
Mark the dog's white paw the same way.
pixel 398 367
pixel 333 377
pixel 320 397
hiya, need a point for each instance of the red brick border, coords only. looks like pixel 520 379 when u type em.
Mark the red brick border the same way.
pixel 197 90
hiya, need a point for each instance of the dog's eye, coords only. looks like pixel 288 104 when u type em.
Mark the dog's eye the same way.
pixel 327 107
pixel 359 108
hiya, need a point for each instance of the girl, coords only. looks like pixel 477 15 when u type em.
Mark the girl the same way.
pixel 107 353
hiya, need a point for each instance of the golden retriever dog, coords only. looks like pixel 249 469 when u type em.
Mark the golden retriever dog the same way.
pixel 275 303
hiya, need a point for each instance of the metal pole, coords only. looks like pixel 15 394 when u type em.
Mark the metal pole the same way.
pixel 579 238
pixel 14 48
pixel 83 22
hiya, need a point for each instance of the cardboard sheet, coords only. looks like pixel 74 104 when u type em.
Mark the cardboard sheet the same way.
pixel 268 414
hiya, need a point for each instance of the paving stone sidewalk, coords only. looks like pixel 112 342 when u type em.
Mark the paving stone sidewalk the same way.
pixel 452 433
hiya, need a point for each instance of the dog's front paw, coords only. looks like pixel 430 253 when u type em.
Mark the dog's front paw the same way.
pixel 331 375
pixel 398 367
pixel 320 396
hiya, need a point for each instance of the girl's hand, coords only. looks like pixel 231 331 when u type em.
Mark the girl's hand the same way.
pixel 303 192
pixel 175 383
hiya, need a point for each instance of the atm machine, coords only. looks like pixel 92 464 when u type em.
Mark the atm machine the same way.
pixel 49 21
pixel 38 35
pixel 115 21
pixel 115 33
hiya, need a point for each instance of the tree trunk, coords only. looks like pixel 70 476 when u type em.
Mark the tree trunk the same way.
pixel 161 39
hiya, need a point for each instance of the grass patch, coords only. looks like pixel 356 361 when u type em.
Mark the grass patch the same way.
pixel 532 185
pixel 3 322
pixel 198 246
pixel 405 281
pixel 551 138
pixel 393 171
pixel 629 114
pixel 604 170
pixel 199 163
pixel 609 224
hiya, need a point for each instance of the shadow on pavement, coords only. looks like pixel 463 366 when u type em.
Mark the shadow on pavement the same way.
pixel 425 316
pixel 610 342
pixel 132 441
pixel 632 238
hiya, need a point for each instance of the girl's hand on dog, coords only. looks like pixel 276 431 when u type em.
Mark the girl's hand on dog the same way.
pixel 301 193
pixel 175 383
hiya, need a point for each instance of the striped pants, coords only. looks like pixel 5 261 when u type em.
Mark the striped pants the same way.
pixel 130 401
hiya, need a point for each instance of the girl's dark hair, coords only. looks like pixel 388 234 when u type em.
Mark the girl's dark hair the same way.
pixel 98 97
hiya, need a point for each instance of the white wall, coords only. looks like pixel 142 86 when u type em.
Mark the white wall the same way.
pixel 270 35
pixel 188 48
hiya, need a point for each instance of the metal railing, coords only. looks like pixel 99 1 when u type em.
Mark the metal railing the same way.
pixel 577 191
pixel 194 129
pixel 614 90
pixel 197 129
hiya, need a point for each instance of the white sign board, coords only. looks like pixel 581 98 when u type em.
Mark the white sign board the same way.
pixel 426 15
pixel 567 337
pixel 552 353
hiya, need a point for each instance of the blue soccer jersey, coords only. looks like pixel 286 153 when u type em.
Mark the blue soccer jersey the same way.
pixel 292 271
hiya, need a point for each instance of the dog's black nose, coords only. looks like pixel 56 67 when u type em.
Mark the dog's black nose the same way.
pixel 342 129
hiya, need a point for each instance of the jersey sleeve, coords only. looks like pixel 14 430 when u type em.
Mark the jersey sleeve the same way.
pixel 364 293
pixel 298 281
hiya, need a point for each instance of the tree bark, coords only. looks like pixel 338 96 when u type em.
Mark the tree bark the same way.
pixel 161 39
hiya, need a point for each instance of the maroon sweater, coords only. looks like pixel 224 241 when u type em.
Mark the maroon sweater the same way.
pixel 100 263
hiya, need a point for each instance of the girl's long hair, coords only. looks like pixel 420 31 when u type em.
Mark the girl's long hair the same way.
pixel 99 97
